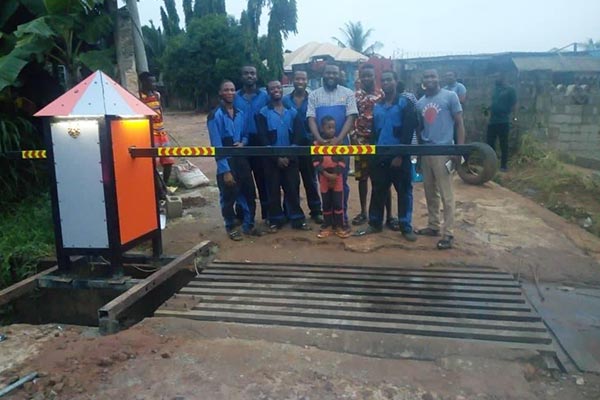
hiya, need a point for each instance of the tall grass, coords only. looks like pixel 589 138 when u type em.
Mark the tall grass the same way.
pixel 564 190
pixel 26 235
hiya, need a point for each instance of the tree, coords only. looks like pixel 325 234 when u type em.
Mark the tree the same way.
pixel 170 19
pixel 71 33
pixel 188 12
pixel 283 18
pixel 195 63
pixel 356 38
pixel 155 44
pixel 203 8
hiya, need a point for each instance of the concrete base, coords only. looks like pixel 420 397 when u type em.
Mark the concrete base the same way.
pixel 174 207
pixel 372 344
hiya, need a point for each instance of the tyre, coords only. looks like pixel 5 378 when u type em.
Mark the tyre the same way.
pixel 480 165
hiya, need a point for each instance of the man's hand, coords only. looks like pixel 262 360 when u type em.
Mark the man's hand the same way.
pixel 457 161
pixel 335 141
pixel 397 162
pixel 283 162
pixel 228 179
pixel 331 179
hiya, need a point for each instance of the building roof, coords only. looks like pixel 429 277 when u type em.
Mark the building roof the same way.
pixel 557 63
pixel 310 50
pixel 96 95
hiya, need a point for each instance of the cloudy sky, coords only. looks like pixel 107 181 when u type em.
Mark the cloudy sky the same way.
pixel 436 27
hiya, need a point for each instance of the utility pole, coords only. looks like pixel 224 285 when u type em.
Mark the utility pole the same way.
pixel 141 62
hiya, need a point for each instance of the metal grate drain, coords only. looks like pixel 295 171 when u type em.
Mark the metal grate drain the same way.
pixel 476 303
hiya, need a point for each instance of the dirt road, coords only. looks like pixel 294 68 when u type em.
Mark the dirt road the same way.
pixel 172 359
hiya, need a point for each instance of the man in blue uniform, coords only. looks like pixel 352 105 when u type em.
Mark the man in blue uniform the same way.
pixel 249 99
pixel 394 121
pixel 226 127
pixel 279 125
pixel 298 100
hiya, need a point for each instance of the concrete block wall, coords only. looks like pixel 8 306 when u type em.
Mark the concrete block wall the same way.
pixel 575 127
pixel 550 114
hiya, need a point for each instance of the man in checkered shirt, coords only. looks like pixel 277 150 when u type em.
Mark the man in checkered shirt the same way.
pixel 339 102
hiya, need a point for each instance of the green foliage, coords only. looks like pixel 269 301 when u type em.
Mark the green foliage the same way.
pixel 155 44
pixel 188 12
pixel 195 63
pixel 356 37
pixel 170 19
pixel 69 29
pixel 27 235
pixel 566 190
pixel 283 18
pixel 203 8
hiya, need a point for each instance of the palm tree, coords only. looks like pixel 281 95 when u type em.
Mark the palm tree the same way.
pixel 356 37
pixel 283 17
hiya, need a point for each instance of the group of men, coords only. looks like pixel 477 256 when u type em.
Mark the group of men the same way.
pixel 387 116
pixel 336 115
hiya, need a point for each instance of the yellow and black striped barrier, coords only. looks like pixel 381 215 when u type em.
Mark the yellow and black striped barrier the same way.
pixel 283 151
pixel 487 156
pixel 33 154
pixel 342 150
pixel 203 151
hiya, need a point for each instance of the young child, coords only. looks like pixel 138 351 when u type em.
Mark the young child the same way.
pixel 330 170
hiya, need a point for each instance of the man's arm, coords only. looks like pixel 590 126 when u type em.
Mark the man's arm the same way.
pixel 297 130
pixel 311 115
pixel 312 125
pixel 461 92
pixel 261 129
pixel 351 113
pixel 409 122
pixel 214 133
pixel 348 126
pixel 459 128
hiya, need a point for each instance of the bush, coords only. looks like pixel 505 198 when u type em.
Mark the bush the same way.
pixel 27 236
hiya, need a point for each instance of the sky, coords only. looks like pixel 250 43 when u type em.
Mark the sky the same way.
pixel 435 27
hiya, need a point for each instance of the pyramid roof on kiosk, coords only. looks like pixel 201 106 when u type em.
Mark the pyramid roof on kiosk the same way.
pixel 96 95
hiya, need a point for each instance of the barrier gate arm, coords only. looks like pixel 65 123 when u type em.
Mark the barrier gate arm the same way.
pixel 351 150
pixel 470 173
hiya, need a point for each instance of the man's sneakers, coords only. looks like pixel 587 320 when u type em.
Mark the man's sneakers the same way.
pixel 428 232
pixel 445 243
pixel 410 236
pixel 318 219
pixel 360 219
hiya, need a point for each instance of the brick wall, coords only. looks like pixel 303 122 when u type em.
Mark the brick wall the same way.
pixel 547 109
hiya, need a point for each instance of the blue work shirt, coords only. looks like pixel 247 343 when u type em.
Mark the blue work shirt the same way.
pixel 224 131
pixel 250 107
pixel 394 123
pixel 289 102
pixel 276 129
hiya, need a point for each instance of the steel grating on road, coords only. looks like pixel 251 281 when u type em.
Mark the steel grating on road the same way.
pixel 469 303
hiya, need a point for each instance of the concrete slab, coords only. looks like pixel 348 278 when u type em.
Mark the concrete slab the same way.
pixel 573 316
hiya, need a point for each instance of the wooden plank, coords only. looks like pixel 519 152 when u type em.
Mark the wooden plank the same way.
pixel 315 288
pixel 409 329
pixel 483 269
pixel 20 288
pixel 112 309
pixel 357 276
pixel 250 279
pixel 372 316
pixel 344 297
pixel 382 307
